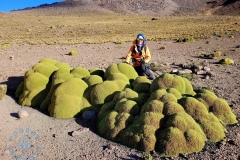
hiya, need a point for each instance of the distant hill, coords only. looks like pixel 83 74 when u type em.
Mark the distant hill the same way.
pixel 149 7
pixel 224 7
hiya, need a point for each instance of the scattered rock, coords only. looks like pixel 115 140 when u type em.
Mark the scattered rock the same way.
pixel 188 71
pixel 11 57
pixel 89 115
pixel 154 19
pixel 222 143
pixel 184 66
pixel 205 68
pixel 167 64
pixel 201 72
pixel 238 135
pixel 210 74
pixel 22 114
pixel 214 55
pixel 198 67
pixel 174 71
pixel 110 146
pixel 163 47
pixel 206 77
pixel 232 142
pixel 80 131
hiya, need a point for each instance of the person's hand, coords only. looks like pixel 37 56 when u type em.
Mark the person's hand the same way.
pixel 138 59
pixel 143 61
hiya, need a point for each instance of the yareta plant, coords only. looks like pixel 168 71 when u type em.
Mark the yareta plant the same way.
pixel 165 115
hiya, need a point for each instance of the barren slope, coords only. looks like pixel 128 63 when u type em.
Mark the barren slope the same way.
pixel 143 7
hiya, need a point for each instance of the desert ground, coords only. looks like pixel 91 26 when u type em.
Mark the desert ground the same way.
pixel 52 138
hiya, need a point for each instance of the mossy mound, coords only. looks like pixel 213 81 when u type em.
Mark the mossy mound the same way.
pixel 218 106
pixel 210 124
pixel 93 80
pixel 170 81
pixel 37 82
pixel 166 116
pixel 172 120
pixel 43 87
pixel 141 84
pixel 73 101
pixel 123 68
pixel 97 71
pixel 73 53
pixel 227 61
pixel 182 134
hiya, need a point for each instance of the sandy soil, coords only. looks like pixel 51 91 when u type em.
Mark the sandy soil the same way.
pixel 52 138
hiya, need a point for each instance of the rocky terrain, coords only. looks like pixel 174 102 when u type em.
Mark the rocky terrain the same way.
pixel 142 7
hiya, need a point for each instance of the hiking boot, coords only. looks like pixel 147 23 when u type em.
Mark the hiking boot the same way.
pixel 151 77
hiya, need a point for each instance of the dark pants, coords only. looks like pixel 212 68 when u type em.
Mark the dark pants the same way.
pixel 143 70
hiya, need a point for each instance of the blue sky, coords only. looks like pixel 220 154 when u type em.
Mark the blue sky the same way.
pixel 8 5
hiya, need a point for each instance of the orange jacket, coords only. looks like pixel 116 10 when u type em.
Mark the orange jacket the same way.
pixel 145 55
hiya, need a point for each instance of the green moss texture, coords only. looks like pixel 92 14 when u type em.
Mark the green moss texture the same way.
pixel 226 61
pixel 73 53
pixel 165 115
pixel 3 90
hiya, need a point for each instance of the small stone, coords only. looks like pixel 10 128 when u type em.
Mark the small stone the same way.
pixel 232 142
pixel 80 131
pixel 206 77
pixel 222 143
pixel 28 30
pixel 201 72
pixel 174 71
pixel 238 135
pixel 198 67
pixel 11 57
pixel 205 68
pixel 23 114
pixel 184 66
pixel 110 146
pixel 89 115
pixel 76 133
pixel 167 64
pixel 188 71
pixel 195 70
pixel 211 74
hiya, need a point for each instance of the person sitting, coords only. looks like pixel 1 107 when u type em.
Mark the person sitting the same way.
pixel 140 55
